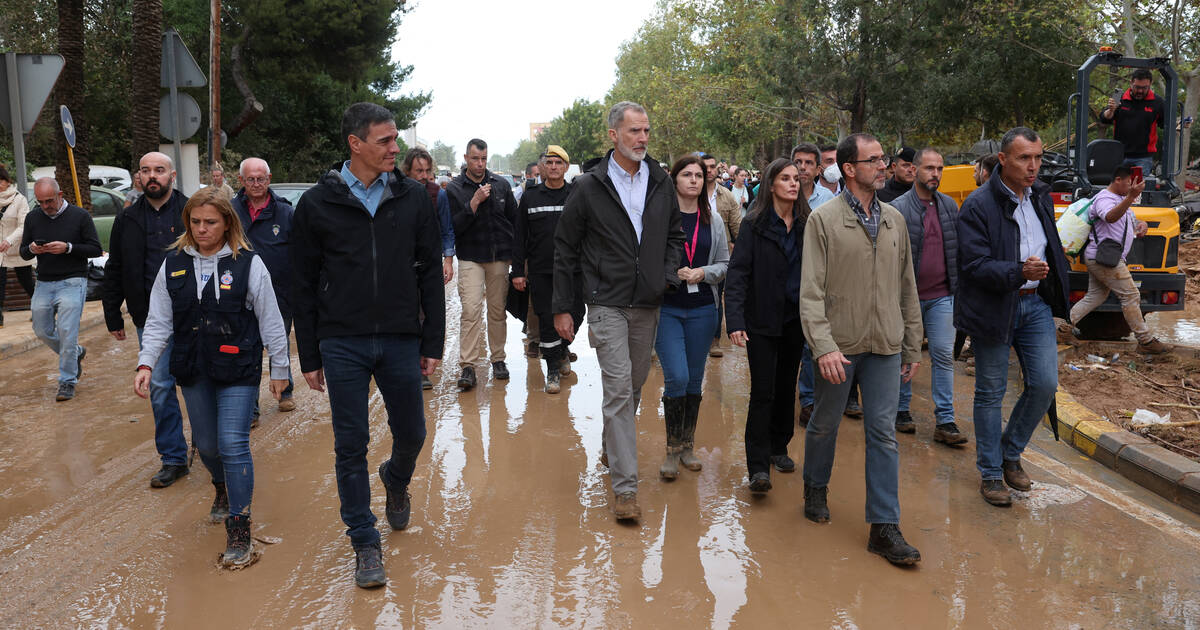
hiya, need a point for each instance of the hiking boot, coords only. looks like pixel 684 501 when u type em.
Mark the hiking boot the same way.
pixel 760 483
pixel 853 409
pixel 79 363
pixel 691 413
pixel 1015 477
pixel 500 371
pixel 399 504
pixel 167 475
pixel 564 367
pixel 220 506
pixel 805 415
pixel 237 545
pixel 625 507
pixel 947 433
pixel 887 541
pixel 1154 346
pixel 66 391
pixel 553 382
pixel 426 384
pixel 904 422
pixel 287 404
pixel 466 381
pixel 715 349
pixel 994 492
pixel 368 567
pixel 783 463
pixel 815 507
pixel 533 350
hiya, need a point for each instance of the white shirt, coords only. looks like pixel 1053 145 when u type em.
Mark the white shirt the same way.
pixel 632 191
pixel 1033 236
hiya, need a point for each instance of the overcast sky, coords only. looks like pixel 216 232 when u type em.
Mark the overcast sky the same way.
pixel 495 66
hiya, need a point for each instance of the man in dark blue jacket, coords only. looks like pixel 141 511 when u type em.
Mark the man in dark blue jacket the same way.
pixel 267 220
pixel 366 261
pixel 1012 282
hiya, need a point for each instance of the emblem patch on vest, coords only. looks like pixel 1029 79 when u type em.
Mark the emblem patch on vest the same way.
pixel 226 279
pixel 275 229
pixel 176 274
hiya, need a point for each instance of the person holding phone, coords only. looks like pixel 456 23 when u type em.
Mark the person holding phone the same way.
pixel 1113 230
pixel 1136 116
pixel 62 237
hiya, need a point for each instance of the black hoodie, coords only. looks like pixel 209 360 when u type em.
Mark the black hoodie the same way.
pixel 354 274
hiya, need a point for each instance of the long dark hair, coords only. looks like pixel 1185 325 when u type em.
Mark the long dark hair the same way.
pixel 764 203
pixel 704 212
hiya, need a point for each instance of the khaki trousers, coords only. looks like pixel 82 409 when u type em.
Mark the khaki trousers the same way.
pixel 475 282
pixel 1101 281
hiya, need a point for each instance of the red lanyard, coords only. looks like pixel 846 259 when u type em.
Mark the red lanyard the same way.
pixel 691 253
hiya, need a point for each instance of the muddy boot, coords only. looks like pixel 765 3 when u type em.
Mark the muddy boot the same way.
pixel 673 410
pixel 368 566
pixel 553 376
pixel 887 541
pixel 1154 346
pixel 220 506
pixel 237 548
pixel 816 507
pixel 691 411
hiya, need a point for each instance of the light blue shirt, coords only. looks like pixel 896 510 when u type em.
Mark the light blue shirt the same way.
pixel 631 189
pixel 1033 236
pixel 369 196
pixel 820 195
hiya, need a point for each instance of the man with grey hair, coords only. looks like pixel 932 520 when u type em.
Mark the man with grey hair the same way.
pixel 621 226
pixel 63 238
pixel 267 221
pixel 137 247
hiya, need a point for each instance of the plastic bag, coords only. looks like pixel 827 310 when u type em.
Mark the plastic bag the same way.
pixel 1145 417
pixel 1074 226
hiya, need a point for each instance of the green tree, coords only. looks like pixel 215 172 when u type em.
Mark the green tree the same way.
pixel 443 154
pixel 581 130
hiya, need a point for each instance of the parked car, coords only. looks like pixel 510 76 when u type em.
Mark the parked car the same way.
pixel 98 175
pixel 291 191
pixel 106 204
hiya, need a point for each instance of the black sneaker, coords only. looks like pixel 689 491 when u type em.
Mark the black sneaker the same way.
pixel 220 506
pixel 500 371
pixel 949 434
pixel 904 422
pixel 66 391
pixel 426 384
pixel 368 567
pixel 887 541
pixel 399 507
pixel 816 508
pixel 783 463
pixel 760 483
pixel 79 363
pixel 466 381
pixel 167 475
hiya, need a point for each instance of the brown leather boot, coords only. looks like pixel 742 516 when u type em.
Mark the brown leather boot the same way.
pixel 1015 477
pixel 1154 346
pixel 625 507
pixel 994 492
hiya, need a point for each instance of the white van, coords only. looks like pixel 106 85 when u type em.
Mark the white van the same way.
pixel 98 175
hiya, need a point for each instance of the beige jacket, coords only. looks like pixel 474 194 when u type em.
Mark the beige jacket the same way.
pixel 729 210
pixel 12 226
pixel 855 298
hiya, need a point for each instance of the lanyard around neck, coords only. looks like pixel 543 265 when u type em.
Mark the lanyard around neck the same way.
pixel 691 252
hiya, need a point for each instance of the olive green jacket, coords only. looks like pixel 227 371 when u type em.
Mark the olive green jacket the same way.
pixel 855 296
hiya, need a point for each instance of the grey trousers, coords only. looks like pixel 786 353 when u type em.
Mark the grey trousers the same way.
pixel 623 339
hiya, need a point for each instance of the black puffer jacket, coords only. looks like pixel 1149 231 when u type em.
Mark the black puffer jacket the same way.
pixel 909 205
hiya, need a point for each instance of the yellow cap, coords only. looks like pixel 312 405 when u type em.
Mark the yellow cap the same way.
pixel 558 152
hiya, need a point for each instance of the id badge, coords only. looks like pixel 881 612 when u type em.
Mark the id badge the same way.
pixel 693 288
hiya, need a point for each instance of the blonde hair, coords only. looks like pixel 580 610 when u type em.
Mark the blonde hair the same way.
pixel 234 235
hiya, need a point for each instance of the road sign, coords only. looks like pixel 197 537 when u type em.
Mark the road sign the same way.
pixel 34 78
pixel 68 125
pixel 187 71
pixel 187 113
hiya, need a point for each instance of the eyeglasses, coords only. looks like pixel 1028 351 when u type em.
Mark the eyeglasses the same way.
pixel 255 180
pixel 878 160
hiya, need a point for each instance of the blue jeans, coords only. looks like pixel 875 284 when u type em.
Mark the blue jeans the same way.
pixel 220 419
pixel 1035 343
pixel 1147 164
pixel 684 337
pixel 57 306
pixel 350 363
pixel 164 404
pixel 938 315
pixel 875 375
pixel 805 383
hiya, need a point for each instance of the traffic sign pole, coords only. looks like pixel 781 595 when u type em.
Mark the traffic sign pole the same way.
pixel 68 127
pixel 74 176
pixel 169 48
pixel 18 133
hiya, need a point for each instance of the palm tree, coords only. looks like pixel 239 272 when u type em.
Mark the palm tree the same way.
pixel 145 69
pixel 69 91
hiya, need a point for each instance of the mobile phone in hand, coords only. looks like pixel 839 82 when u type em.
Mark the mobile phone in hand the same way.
pixel 1136 173
pixel 40 242
pixel 1117 94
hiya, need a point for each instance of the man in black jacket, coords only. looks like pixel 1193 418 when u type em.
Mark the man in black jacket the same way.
pixel 1012 282
pixel 267 221
pixel 483 210
pixel 903 174
pixel 622 225
pixel 137 246
pixel 1136 119
pixel 366 261
pixel 63 238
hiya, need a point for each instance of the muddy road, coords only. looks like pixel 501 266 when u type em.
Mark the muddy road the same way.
pixel 511 528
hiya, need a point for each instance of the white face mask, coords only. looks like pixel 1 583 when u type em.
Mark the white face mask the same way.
pixel 832 174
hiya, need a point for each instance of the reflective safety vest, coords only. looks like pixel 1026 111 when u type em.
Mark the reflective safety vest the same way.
pixel 217 339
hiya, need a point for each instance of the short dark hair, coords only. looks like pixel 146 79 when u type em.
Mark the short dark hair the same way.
pixel 1011 135
pixel 847 149
pixel 477 143
pixel 921 153
pixel 806 147
pixel 414 154
pixel 989 162
pixel 1122 171
pixel 1141 73
pixel 529 168
pixel 4 174
pixel 359 117
pixel 828 147
pixel 704 157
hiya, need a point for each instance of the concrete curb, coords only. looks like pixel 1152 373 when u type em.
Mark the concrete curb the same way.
pixel 1171 475
pixel 11 349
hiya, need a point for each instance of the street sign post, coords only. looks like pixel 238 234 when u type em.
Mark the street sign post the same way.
pixel 68 126
pixel 26 81
pixel 179 68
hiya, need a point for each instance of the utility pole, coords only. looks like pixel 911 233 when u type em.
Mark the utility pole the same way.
pixel 214 86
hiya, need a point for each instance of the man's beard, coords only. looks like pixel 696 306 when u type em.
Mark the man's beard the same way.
pixel 156 193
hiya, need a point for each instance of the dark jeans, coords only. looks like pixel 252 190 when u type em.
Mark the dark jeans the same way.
pixel 350 363
pixel 774 365
pixel 24 276
pixel 541 294
pixel 164 404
